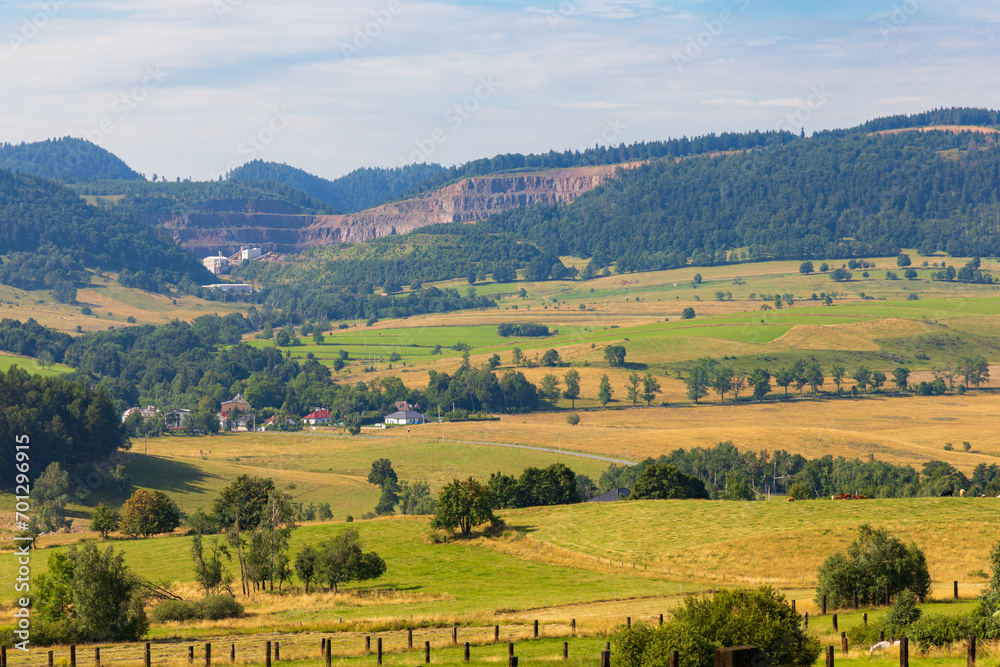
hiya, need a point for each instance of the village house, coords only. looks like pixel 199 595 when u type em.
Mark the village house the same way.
pixel 317 417
pixel 405 418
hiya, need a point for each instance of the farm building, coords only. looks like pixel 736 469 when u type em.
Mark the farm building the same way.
pixel 317 417
pixel 611 496
pixel 237 402
pixel 405 418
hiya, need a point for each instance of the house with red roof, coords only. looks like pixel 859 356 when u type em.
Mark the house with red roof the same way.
pixel 317 417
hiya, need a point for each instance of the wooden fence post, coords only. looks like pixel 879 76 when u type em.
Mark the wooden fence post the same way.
pixel 510 649
pixel 956 590
pixel 829 656
pixel 208 655
pixel 267 655
pixel 834 622
pixel 149 658
pixel 232 653
pixel 854 597
pixel 277 651
pixel 454 634
pixel 970 659
pixel 675 659
pixel 864 618
pixel 368 643
pixel 793 605
pixel 512 661
pixel 496 633
pixel 327 653
pixel 565 650
pixel 824 606
pixel 190 653
pixel 467 651
pixel 805 621
pixel 51 658
pixel 904 652
pixel 72 655
pixel 661 619
pixel 572 626
pixel 628 621
pixel 378 649
pixel 887 594
pixel 843 642
pixel 536 628
pixel 409 639
pixel 427 653
pixel 605 658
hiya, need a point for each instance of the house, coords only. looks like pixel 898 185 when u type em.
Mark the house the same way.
pixel 146 412
pixel 611 496
pixel 244 423
pixel 274 423
pixel 237 402
pixel 405 418
pixel 403 406
pixel 238 288
pixel 317 417
pixel 175 419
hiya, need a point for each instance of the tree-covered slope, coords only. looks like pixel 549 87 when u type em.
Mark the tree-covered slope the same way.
pixel 66 160
pixel 358 190
pixel 48 233
pixel 836 194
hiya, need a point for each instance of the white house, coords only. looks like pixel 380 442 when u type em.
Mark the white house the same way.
pixel 317 417
pixel 176 419
pixel 406 418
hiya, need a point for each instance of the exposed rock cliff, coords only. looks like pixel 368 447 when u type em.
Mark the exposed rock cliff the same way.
pixel 468 200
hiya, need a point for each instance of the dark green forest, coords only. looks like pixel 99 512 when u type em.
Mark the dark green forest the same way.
pixel 828 196
pixel 47 233
pixel 66 160
pixel 356 191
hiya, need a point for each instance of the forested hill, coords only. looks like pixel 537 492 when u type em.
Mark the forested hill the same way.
pixel 836 194
pixel 358 190
pixel 66 160
pixel 48 234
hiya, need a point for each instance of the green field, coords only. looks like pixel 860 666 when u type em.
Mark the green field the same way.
pixel 32 366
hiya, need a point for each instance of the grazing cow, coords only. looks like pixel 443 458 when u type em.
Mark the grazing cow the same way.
pixel 961 493
pixel 947 493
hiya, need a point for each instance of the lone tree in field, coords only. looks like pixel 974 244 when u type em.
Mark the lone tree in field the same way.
pixel 874 561
pixel 615 355
pixel 105 520
pixel 341 560
pixel 149 513
pixel 633 387
pixel 650 388
pixel 382 471
pixel 604 392
pixel 572 392
pixel 464 505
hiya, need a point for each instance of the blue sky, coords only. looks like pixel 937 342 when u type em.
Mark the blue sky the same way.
pixel 195 87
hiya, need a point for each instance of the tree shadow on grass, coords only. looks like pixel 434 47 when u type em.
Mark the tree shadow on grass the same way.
pixel 168 475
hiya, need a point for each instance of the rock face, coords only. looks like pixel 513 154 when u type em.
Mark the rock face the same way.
pixel 469 200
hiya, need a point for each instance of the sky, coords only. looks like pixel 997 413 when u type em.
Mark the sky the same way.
pixel 193 88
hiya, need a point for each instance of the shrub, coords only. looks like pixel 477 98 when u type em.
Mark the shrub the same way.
pixel 729 618
pixel 572 419
pixel 216 607
pixel 212 608
pixel 939 630
pixel 901 614
pixel 174 610
pixel 688 313
pixel 801 491
pixel 864 634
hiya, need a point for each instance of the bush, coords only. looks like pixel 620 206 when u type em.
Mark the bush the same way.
pixel 864 634
pixel 939 630
pixel 212 608
pixel 729 618
pixel 216 607
pixel 901 614
pixel 572 419
pixel 801 491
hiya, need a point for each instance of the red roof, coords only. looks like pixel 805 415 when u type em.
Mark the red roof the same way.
pixel 319 414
